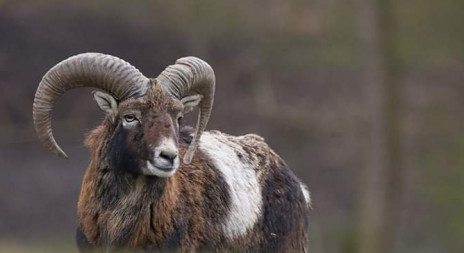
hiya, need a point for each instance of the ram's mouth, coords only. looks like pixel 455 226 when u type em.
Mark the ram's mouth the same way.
pixel 161 167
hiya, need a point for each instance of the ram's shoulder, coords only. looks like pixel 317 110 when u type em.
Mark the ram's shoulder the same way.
pixel 250 148
pixel 252 142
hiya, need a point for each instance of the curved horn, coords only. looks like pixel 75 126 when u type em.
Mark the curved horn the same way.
pixel 188 76
pixel 105 72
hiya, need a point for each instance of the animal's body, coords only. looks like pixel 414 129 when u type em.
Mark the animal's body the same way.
pixel 237 195
pixel 234 195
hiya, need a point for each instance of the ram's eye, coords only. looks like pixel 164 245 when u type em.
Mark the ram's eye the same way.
pixel 130 118
pixel 179 118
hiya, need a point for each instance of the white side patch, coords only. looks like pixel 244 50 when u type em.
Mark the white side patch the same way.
pixel 306 193
pixel 245 191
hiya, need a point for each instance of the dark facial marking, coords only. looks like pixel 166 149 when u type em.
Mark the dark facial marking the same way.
pixel 139 135
pixel 123 155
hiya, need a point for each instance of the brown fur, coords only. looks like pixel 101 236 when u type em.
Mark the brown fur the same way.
pixel 183 212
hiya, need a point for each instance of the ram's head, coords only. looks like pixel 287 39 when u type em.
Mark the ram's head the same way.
pixel 144 112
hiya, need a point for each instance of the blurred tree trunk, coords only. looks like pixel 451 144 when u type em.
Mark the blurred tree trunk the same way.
pixel 381 187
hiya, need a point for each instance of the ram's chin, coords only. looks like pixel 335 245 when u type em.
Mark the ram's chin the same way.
pixel 151 170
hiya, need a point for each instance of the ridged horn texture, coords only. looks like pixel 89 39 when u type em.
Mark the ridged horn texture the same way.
pixel 101 71
pixel 189 76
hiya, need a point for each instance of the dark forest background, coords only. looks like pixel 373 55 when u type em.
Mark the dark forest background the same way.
pixel 364 99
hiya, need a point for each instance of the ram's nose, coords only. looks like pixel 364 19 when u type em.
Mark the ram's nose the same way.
pixel 168 155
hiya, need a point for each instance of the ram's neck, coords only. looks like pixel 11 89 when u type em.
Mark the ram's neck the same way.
pixel 121 210
pixel 124 210
pixel 114 205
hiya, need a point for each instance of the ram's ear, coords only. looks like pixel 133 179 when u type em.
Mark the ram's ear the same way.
pixel 190 102
pixel 107 104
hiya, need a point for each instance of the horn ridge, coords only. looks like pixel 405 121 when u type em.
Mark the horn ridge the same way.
pixel 191 75
pixel 108 73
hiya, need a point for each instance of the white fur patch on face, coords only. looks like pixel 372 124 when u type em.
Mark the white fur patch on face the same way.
pixel 152 170
pixel 306 193
pixel 242 181
pixel 160 166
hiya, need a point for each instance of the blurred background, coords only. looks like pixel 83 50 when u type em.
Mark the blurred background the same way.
pixel 362 98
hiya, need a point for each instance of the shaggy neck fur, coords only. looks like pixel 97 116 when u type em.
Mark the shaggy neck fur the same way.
pixel 119 208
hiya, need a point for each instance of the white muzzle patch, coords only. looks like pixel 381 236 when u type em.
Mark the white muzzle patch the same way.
pixel 165 161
